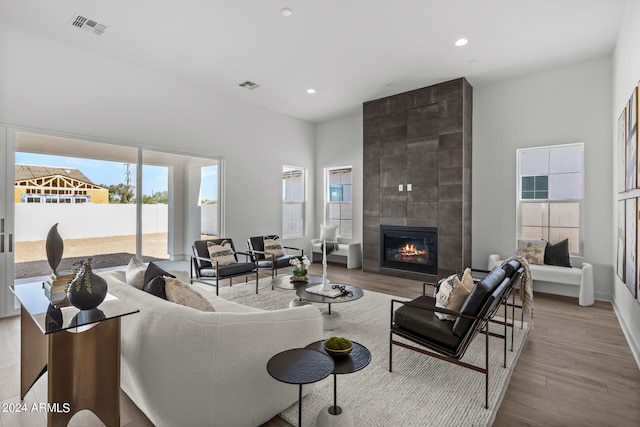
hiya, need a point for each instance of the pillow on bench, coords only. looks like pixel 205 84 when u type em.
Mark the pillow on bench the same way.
pixel 541 252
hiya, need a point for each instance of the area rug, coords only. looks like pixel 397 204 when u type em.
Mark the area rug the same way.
pixel 421 390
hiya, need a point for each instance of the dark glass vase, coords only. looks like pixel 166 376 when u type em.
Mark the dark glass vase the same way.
pixel 80 297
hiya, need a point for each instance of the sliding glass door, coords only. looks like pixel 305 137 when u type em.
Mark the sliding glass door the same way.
pixel 110 202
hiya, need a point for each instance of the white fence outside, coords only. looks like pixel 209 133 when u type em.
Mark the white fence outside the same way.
pixel 79 221
pixel 209 219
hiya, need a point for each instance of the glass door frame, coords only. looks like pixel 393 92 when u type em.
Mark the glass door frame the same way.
pixel 7 221
pixel 7 205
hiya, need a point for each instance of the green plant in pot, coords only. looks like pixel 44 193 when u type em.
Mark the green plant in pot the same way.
pixel 338 346
pixel 86 290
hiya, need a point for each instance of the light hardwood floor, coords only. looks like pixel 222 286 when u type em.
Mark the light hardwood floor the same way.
pixel 576 368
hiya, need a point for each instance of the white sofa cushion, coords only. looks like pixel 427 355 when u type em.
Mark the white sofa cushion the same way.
pixel 186 367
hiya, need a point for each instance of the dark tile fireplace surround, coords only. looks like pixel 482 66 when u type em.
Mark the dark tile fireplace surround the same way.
pixel 418 140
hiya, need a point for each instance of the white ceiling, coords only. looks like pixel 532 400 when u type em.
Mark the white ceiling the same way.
pixel 350 51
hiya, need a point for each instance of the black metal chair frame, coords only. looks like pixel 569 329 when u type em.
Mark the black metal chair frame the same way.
pixel 274 268
pixel 206 280
pixel 479 325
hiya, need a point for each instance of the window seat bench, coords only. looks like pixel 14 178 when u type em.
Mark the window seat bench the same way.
pixel 553 274
pixel 347 253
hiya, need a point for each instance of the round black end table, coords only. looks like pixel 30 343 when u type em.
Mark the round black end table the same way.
pixel 300 366
pixel 358 359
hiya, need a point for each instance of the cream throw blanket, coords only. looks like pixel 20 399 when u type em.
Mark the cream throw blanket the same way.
pixel 526 288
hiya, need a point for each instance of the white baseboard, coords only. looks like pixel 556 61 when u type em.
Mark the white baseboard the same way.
pixel 634 346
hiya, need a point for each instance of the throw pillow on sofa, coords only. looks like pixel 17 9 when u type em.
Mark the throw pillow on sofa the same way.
pixel 134 275
pixel 273 246
pixel 557 254
pixel 153 271
pixel 532 250
pixel 183 294
pixel 222 253
pixel 156 286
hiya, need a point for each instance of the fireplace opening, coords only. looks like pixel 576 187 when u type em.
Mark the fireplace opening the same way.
pixel 409 248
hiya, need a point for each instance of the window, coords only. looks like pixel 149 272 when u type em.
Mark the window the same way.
pixel 292 201
pixel 339 199
pixel 550 188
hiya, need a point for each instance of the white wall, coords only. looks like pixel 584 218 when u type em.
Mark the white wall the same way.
pixel 626 73
pixel 564 105
pixel 339 143
pixel 57 87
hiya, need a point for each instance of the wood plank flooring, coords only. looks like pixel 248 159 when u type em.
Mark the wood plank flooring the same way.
pixel 576 368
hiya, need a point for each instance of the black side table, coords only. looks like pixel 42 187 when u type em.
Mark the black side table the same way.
pixel 358 359
pixel 300 366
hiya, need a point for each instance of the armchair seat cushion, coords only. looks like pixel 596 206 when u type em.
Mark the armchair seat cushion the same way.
pixel 424 323
pixel 229 270
pixel 281 262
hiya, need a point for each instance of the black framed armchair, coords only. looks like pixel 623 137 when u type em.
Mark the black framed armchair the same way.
pixel 416 322
pixel 208 270
pixel 266 260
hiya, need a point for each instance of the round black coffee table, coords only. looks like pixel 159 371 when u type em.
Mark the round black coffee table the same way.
pixel 331 320
pixel 285 282
pixel 300 366
pixel 358 359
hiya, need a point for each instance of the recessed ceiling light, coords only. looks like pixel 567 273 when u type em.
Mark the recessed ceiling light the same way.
pixel 285 11
pixel 311 91
pixel 461 42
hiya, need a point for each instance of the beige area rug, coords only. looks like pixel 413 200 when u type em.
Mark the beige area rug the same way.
pixel 421 390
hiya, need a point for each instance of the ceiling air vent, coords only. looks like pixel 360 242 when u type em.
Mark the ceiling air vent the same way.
pixel 249 85
pixel 88 25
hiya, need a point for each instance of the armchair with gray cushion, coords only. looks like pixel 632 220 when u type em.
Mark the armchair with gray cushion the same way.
pixel 206 270
pixel 448 340
pixel 268 261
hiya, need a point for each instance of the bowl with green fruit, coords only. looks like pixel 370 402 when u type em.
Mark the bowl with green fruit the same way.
pixel 338 346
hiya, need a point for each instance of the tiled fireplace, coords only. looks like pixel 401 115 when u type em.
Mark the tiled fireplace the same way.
pixel 409 248
pixel 417 174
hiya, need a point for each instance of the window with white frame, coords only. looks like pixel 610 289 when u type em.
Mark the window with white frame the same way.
pixel 550 194
pixel 293 201
pixel 339 199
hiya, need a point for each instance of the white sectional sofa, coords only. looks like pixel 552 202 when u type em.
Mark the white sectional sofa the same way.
pixel 582 277
pixel 347 253
pixel 184 367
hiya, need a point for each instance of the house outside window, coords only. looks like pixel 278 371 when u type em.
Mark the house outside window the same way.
pixel 550 194
pixel 293 198
pixel 339 201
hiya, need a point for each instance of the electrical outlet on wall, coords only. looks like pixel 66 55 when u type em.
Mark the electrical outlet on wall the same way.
pixel 409 187
pixel 400 187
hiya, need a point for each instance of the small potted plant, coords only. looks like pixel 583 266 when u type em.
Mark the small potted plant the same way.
pixel 300 266
pixel 86 290
pixel 338 346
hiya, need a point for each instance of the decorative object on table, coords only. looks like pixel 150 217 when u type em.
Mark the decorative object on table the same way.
pixel 86 290
pixel 300 266
pixel 329 238
pixel 54 247
pixel 53 318
pixel 344 292
pixel 56 284
pixel 327 292
pixel 338 346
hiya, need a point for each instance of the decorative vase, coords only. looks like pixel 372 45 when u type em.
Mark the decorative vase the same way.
pixel 54 247
pixel 86 290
